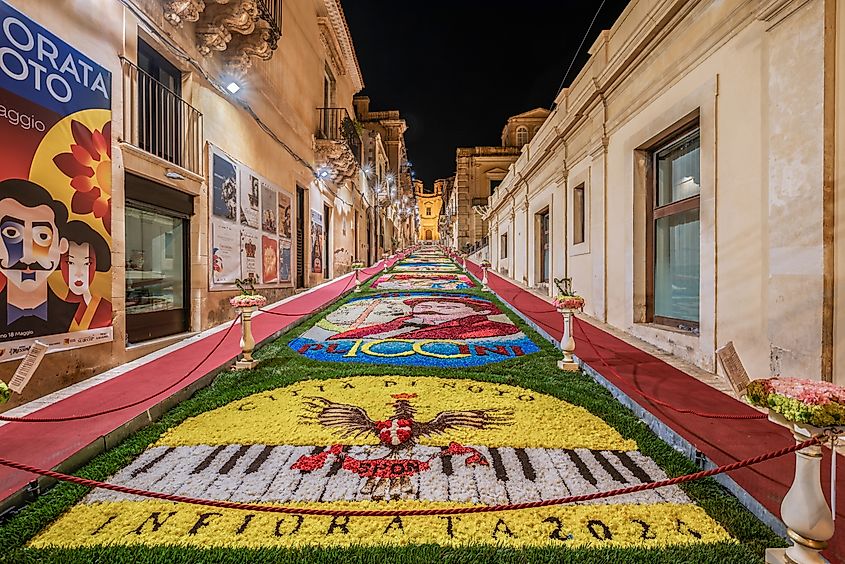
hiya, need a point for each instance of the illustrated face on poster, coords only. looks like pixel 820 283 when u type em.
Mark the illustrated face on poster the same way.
pixel 55 197
pixel 249 200
pixel 269 259
pixel 224 186
pixel 284 260
pixel 269 210
pixel 284 216
pixel 415 329
pixel 225 253
pixel 249 255
pixel 316 242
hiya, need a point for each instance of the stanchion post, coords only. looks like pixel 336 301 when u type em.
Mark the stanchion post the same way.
pixel 567 343
pixel 246 362
pixel 804 510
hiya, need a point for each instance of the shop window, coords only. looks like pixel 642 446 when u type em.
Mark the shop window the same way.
pixel 157 265
pixel 545 247
pixel 674 232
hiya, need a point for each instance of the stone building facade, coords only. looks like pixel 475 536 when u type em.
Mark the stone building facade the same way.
pixel 689 182
pixel 478 171
pixel 429 203
pixel 234 152
pixel 396 185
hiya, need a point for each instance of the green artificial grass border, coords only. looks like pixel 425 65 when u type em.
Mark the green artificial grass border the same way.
pixel 281 366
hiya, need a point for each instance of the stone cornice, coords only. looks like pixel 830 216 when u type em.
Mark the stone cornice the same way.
pixel 775 11
pixel 344 39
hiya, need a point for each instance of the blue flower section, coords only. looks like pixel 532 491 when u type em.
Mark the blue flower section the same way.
pixel 416 352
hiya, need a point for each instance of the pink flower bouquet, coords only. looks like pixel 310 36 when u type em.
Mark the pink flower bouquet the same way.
pixel 248 300
pixel 568 302
pixel 821 404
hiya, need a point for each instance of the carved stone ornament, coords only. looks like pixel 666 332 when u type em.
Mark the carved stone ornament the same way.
pixel 221 20
pixel 179 11
pixel 242 48
pixel 337 157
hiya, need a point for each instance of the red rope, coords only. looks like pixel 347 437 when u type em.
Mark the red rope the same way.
pixel 409 512
pixel 27 419
pixel 654 399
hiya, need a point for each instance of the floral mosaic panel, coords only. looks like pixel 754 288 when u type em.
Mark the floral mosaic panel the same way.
pixel 419 329
pixel 423 281
pixel 389 442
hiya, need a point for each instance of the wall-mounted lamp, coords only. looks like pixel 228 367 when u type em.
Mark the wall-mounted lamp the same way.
pixel 233 87
pixel 173 175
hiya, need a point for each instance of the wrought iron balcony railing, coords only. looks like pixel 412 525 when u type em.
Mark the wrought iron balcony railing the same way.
pixel 335 124
pixel 271 12
pixel 157 120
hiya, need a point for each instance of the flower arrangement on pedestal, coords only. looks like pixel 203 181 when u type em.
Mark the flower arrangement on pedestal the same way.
pixel 5 392
pixel 485 263
pixel 567 302
pixel 798 400
pixel 807 408
pixel 357 266
pixel 246 302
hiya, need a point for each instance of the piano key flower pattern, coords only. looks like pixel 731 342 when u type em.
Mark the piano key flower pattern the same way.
pixel 389 442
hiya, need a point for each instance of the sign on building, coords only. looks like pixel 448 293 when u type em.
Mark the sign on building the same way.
pixel 55 191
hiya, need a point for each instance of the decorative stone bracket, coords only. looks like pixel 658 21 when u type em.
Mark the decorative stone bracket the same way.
pixel 337 157
pixel 242 30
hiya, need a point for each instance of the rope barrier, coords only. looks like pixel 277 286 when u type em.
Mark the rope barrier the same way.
pixel 636 388
pixel 413 512
pixel 661 402
pixel 27 419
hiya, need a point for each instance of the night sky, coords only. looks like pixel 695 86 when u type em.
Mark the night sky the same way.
pixel 456 69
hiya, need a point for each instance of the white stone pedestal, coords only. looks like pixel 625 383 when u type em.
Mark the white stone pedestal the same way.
pixel 246 362
pixel 567 343
pixel 804 509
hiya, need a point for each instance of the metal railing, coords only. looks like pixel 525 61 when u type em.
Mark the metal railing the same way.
pixel 157 120
pixel 477 246
pixel 335 124
pixel 271 12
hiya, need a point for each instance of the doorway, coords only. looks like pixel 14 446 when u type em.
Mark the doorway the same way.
pixel 545 250
pixel 300 237
pixel 157 280
pixel 327 220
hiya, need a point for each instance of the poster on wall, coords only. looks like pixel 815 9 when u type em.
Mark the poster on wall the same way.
pixel 284 260
pixel 269 259
pixel 249 256
pixel 269 211
pixel 284 216
pixel 316 242
pixel 55 193
pixel 224 186
pixel 225 253
pixel 249 201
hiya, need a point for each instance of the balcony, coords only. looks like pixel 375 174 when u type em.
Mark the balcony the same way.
pixel 338 144
pixel 242 31
pixel 158 121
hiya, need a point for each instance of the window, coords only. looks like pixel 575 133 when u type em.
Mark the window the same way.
pixel 545 247
pixel 521 135
pixel 494 184
pixel 578 215
pixel 157 260
pixel 428 211
pixel 159 105
pixel 503 246
pixel 674 232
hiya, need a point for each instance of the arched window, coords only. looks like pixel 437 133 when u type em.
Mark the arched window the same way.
pixel 521 135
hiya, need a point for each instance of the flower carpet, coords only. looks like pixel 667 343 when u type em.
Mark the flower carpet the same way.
pixel 397 398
